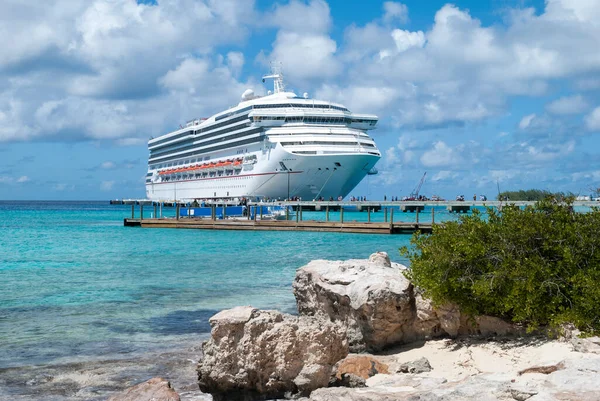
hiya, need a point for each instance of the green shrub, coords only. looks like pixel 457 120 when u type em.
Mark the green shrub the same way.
pixel 537 266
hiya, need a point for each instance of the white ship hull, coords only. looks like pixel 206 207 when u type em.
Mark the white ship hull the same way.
pixel 307 177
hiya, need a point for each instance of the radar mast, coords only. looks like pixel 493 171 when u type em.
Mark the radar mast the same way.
pixel 277 76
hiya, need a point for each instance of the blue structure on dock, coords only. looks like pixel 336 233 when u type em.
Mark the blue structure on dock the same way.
pixel 221 212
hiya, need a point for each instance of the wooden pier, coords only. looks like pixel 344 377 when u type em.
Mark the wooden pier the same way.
pixel 296 223
pixel 282 225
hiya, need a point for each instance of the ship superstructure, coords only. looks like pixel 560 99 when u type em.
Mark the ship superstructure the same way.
pixel 276 146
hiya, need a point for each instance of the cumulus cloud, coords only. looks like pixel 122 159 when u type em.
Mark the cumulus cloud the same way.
pixel 444 175
pixel 395 11
pixel 462 71
pixel 89 70
pixel 303 44
pixel 568 105
pixel 441 155
pixel 405 39
pixel 23 179
pixel 592 121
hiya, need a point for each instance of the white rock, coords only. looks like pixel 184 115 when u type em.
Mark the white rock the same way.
pixel 267 354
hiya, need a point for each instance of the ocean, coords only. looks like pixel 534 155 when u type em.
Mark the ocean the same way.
pixel 79 292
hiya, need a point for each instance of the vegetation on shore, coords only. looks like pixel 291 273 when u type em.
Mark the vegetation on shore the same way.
pixel 537 266
pixel 531 195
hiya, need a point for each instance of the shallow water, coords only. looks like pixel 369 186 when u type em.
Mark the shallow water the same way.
pixel 76 286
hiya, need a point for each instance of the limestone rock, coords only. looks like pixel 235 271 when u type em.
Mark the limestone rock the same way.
pixel 364 366
pixel 379 307
pixel 421 365
pixel 433 322
pixel 351 380
pixel 254 354
pixel 155 389
pixel 380 258
pixel 586 345
pixel 371 298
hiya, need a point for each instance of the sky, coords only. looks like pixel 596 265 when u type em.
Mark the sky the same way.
pixel 478 94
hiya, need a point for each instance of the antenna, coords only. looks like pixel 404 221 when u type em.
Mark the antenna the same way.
pixel 277 76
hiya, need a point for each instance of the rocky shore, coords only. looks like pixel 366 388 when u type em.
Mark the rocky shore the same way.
pixel 364 332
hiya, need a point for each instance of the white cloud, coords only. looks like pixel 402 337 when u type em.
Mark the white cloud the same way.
pixel 463 71
pixel 568 105
pixel 405 39
pixel 444 175
pixel 299 17
pixel 586 175
pixel 365 98
pixel 526 121
pixel 23 179
pixel 235 61
pixel 441 155
pixel 395 11
pixel 108 165
pixel 130 141
pixel 302 43
pixel 107 185
pixel 592 121
pixel 90 69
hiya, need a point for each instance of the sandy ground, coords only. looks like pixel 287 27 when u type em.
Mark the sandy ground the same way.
pixel 457 359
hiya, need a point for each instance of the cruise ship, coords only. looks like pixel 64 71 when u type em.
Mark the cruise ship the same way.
pixel 278 146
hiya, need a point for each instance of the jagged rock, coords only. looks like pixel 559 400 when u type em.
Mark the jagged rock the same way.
pixel 155 389
pixel 360 365
pixel 254 354
pixel 351 380
pixel 380 258
pixel 521 395
pixel 371 298
pixel 433 322
pixel 421 365
pixel 379 307
pixel 586 345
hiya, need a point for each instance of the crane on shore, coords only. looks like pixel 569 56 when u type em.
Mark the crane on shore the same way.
pixel 414 195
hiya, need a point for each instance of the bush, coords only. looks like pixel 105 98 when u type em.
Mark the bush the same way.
pixel 537 266
pixel 531 195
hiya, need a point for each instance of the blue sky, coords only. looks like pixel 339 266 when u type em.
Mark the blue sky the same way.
pixel 475 93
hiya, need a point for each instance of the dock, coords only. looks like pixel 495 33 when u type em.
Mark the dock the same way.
pixel 296 223
pixel 282 225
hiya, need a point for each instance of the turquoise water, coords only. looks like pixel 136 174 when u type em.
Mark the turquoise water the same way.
pixel 76 285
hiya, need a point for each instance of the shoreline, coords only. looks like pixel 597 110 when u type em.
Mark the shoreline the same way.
pixel 97 379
